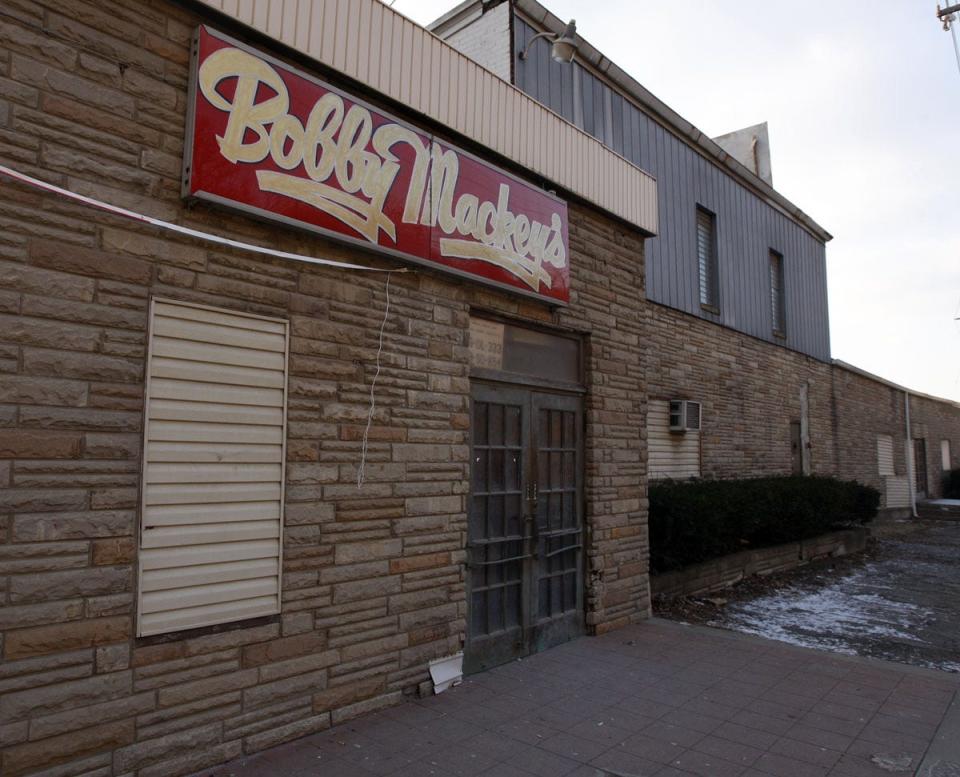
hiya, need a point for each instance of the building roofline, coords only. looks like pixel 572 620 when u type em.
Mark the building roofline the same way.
pixel 658 109
pixel 384 51
pixel 864 374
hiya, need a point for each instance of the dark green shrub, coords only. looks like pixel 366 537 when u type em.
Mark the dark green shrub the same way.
pixel 951 484
pixel 697 520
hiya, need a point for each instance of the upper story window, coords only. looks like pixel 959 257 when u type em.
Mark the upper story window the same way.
pixel 778 312
pixel 707 258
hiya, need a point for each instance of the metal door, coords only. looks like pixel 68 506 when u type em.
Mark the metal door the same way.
pixel 558 525
pixel 524 543
pixel 920 467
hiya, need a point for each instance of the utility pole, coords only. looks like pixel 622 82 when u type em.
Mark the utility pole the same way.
pixel 948 16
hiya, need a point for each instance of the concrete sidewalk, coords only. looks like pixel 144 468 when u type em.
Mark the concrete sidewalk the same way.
pixel 659 698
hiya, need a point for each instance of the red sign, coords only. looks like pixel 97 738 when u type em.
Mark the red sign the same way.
pixel 279 143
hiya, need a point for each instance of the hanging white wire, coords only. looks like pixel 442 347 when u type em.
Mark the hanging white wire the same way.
pixel 373 385
pixel 956 40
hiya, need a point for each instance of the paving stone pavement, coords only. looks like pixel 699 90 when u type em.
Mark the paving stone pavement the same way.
pixel 659 698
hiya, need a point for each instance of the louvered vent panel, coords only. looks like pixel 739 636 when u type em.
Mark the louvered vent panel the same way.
pixel 897 491
pixel 885 454
pixel 212 503
pixel 674 456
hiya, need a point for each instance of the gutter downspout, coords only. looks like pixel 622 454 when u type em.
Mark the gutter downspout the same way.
pixel 911 464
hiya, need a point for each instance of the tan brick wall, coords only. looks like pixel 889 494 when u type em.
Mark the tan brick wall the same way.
pixel 865 409
pixel 750 392
pixel 934 422
pixel 92 97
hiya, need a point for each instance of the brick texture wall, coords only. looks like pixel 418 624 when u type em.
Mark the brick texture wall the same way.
pixel 866 408
pixel 750 391
pixel 934 422
pixel 487 40
pixel 92 97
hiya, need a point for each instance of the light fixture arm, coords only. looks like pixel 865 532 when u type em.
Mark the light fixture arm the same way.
pixel 526 49
pixel 946 15
pixel 564 44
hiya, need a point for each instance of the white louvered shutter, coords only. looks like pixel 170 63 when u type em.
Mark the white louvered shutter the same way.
pixel 897 491
pixel 885 454
pixel 212 497
pixel 670 455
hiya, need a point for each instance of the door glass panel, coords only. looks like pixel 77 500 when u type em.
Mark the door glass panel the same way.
pixel 525 541
pixel 557 514
pixel 496 572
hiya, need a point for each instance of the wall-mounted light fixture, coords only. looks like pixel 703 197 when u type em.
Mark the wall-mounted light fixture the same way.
pixel 564 44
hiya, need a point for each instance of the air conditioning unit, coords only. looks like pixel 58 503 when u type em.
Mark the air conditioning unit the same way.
pixel 684 416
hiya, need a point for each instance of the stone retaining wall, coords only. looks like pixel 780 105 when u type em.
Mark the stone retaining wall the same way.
pixel 720 573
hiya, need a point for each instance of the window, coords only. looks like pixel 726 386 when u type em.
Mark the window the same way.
pixel 777 307
pixel 707 257
pixel 945 458
pixel 212 497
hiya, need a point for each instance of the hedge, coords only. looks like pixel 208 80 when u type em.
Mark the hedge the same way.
pixel 697 520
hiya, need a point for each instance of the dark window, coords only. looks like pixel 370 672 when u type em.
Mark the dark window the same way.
pixel 707 257
pixel 778 310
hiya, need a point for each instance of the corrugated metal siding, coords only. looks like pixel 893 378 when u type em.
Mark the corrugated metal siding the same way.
pixel 747 227
pixel 885 454
pixel 670 455
pixel 212 501
pixel 368 41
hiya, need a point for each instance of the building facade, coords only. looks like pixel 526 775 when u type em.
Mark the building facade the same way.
pixel 736 318
pixel 246 495
pixel 276 433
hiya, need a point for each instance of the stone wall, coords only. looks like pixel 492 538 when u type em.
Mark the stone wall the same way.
pixel 92 97
pixel 726 571
pixel 935 421
pixel 750 393
pixel 866 408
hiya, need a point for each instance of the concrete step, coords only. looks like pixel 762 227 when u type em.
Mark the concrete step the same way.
pixel 940 509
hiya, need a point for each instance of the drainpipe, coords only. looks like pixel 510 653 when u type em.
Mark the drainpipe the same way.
pixel 911 464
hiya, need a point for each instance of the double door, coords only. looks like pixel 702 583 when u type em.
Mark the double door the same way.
pixel 525 524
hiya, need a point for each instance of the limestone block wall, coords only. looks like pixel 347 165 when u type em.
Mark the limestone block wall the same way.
pixel 92 97
pixel 866 408
pixel 750 391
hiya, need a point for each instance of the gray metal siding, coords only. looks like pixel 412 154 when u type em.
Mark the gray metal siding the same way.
pixel 746 226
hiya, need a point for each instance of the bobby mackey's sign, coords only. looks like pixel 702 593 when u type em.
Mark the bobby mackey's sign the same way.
pixel 279 143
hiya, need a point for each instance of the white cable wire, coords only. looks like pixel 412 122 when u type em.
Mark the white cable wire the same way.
pixel 956 41
pixel 196 233
pixel 373 385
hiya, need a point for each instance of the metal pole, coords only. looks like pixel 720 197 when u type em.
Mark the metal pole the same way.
pixel 956 43
pixel 947 11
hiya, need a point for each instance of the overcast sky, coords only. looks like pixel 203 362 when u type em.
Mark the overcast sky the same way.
pixel 863 103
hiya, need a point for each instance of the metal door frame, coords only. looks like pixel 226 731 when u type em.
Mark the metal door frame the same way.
pixel 920 467
pixel 535 634
pixel 502 650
